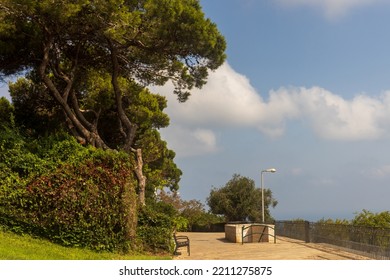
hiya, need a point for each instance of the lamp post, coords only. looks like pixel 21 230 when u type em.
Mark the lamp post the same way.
pixel 272 170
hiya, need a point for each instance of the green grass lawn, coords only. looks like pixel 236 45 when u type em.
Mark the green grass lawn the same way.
pixel 16 247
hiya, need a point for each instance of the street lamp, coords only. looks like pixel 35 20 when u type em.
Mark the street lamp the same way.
pixel 271 170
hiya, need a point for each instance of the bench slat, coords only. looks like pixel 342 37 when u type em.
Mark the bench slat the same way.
pixel 181 241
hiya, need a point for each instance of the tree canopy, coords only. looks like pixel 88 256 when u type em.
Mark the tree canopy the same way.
pixel 192 213
pixel 148 42
pixel 90 62
pixel 240 200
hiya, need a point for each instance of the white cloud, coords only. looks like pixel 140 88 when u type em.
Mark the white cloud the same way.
pixel 331 8
pixel 332 117
pixel 297 171
pixel 187 142
pixel 205 137
pixel 380 172
pixel 229 101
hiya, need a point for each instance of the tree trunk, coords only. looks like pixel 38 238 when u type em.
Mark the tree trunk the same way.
pixel 140 177
pixel 130 209
pixel 130 128
pixel 85 131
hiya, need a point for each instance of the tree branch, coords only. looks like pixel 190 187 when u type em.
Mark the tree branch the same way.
pixel 89 136
pixel 79 114
pixel 129 126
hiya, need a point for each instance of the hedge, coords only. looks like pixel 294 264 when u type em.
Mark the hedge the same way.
pixel 86 198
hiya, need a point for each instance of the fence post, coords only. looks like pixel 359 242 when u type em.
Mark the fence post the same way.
pixel 307 231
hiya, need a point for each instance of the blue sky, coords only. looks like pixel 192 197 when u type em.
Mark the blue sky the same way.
pixel 306 90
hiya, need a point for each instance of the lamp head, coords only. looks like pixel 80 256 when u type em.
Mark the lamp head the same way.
pixel 273 170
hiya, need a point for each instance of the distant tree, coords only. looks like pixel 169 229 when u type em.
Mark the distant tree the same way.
pixel 331 221
pixel 370 219
pixel 171 198
pixel 240 200
pixel 192 210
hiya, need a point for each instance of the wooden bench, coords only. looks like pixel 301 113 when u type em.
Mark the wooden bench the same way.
pixel 181 241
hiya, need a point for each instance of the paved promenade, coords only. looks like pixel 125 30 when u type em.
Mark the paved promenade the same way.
pixel 214 246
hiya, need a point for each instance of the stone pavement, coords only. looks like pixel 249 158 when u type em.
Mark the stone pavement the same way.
pixel 214 246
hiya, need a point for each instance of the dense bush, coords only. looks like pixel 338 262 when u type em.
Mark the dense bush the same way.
pixel 70 194
pixel 156 223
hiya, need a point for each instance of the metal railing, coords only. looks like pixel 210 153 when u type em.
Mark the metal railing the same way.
pixel 369 241
pixel 261 235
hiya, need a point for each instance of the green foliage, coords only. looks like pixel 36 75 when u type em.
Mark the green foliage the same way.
pixel 31 157
pixel 366 227
pixel 6 113
pixel 370 219
pixel 85 62
pixel 156 223
pixel 36 112
pixel 38 115
pixel 181 223
pixel 94 57
pixel 239 200
pixel 331 221
pixel 192 214
pixel 160 168
pixel 15 156
pixel 364 218
pixel 85 197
